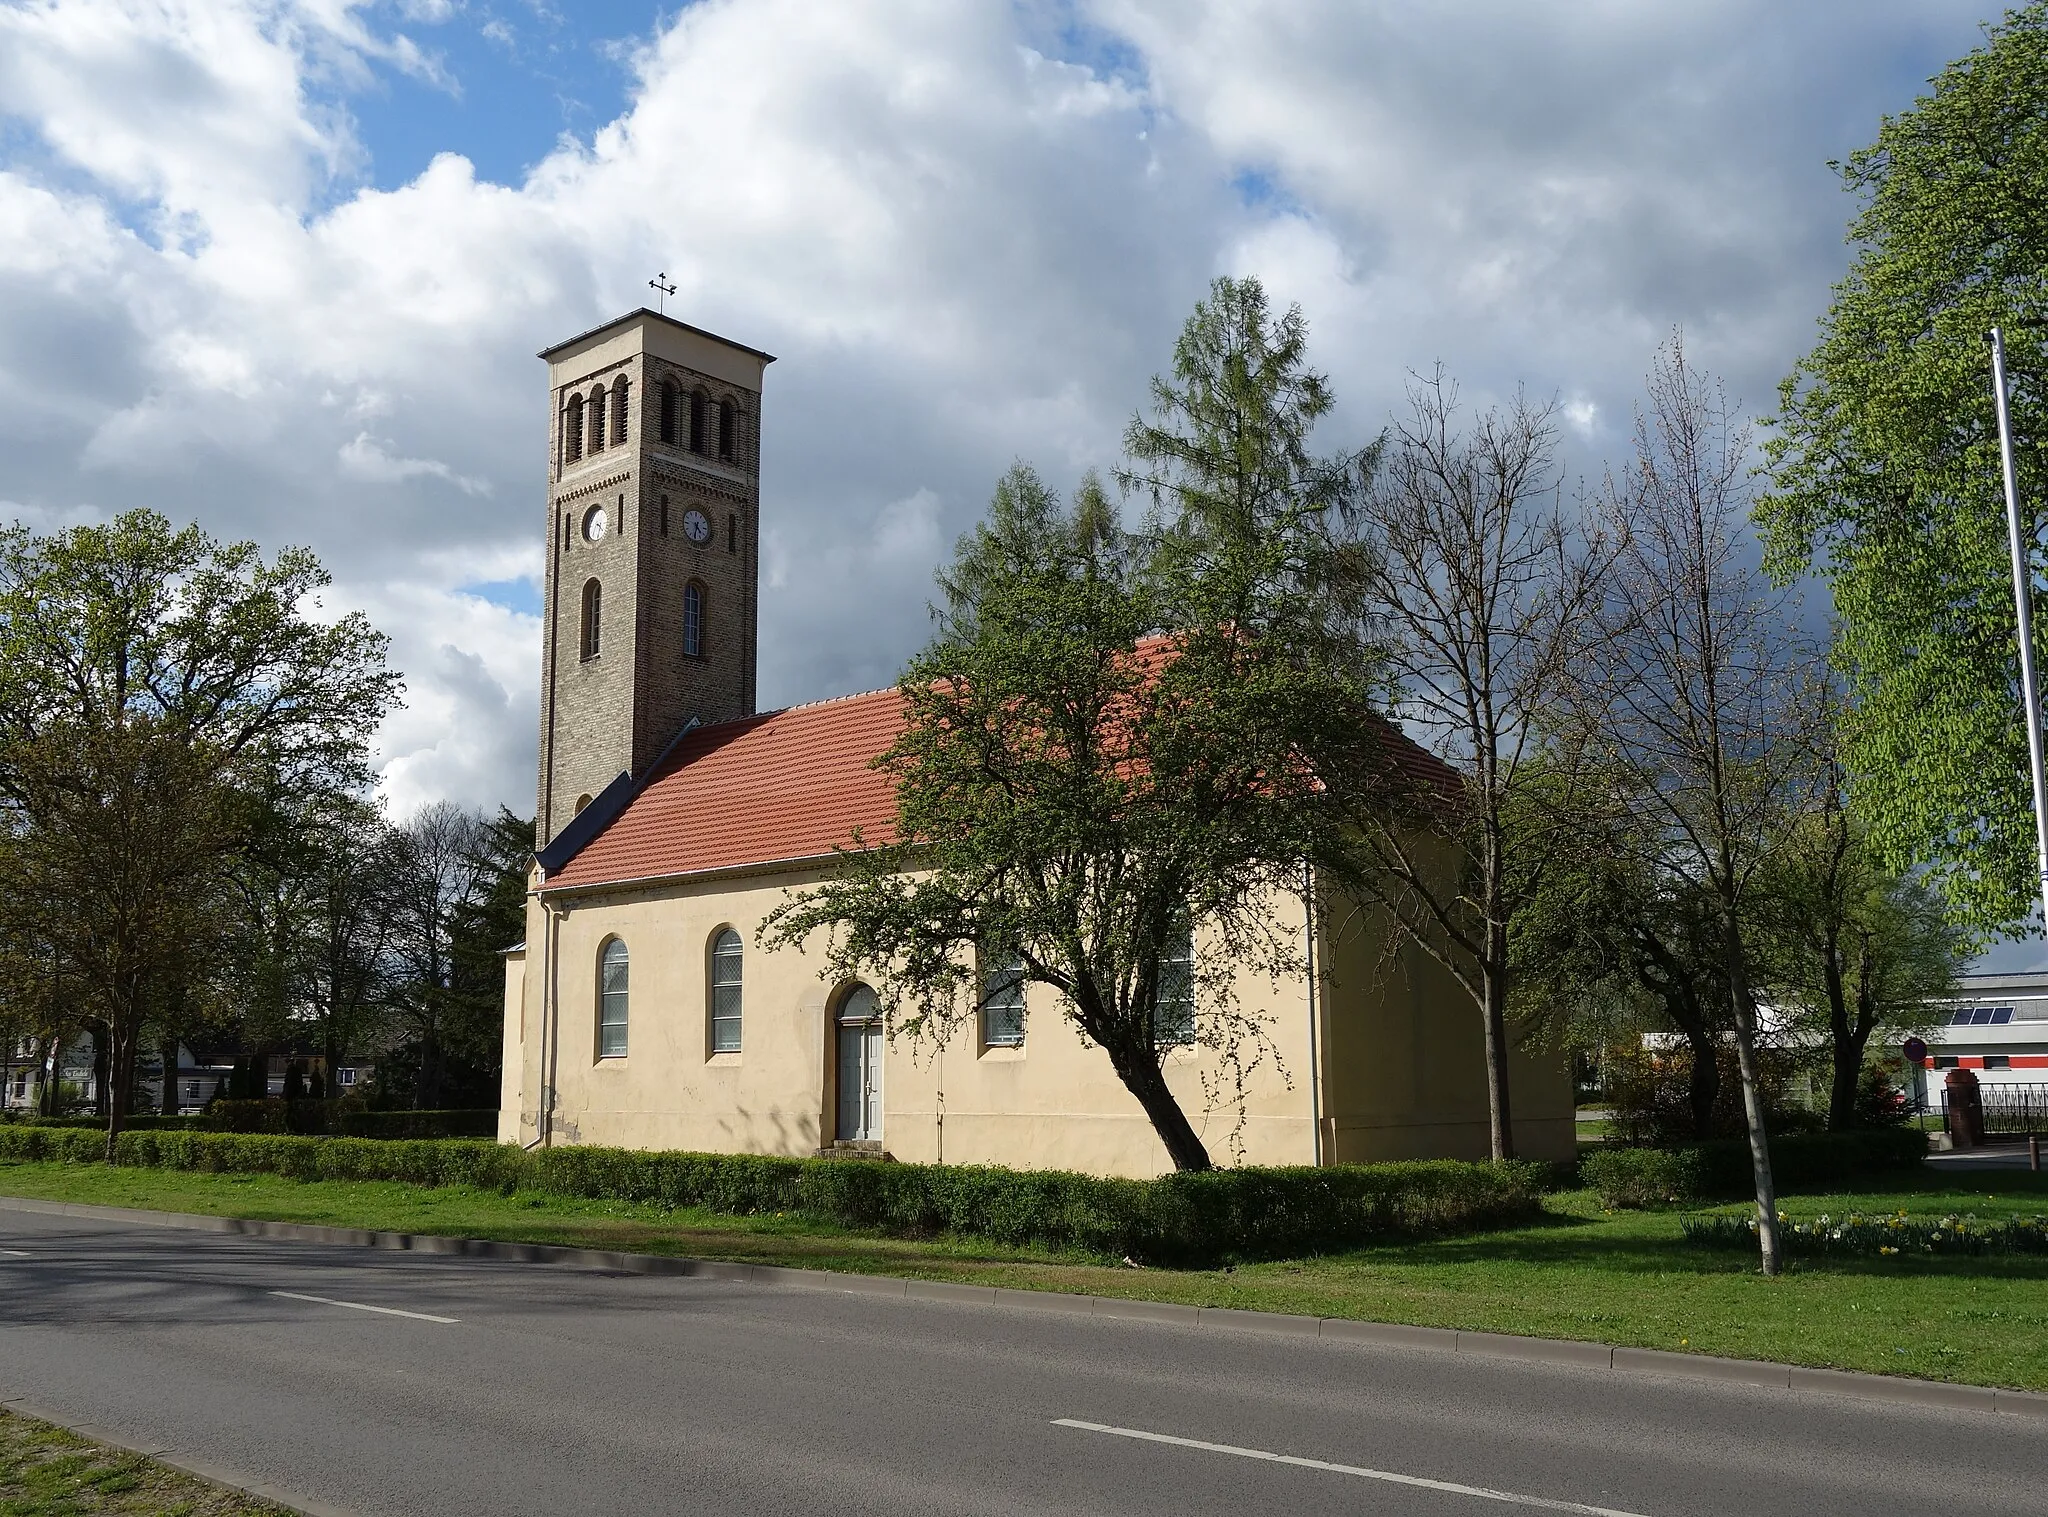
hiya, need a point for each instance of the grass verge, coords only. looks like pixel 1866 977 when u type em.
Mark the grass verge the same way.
pixel 48 1472
pixel 1623 1278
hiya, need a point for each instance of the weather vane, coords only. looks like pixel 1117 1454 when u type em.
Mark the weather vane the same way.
pixel 661 291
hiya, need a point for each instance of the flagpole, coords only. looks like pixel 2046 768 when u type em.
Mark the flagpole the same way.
pixel 2022 587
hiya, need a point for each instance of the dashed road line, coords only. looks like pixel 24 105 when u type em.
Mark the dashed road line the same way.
pixel 360 1306
pixel 1450 1487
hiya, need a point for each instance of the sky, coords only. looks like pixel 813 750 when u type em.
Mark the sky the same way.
pixel 282 266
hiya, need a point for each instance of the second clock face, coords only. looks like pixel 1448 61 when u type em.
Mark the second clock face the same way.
pixel 595 525
pixel 697 526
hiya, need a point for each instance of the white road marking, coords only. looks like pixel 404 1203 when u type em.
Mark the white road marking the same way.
pixel 1449 1486
pixel 17 1253
pixel 385 1311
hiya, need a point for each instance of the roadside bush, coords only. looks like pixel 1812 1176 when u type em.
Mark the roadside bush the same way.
pixel 1636 1177
pixel 358 1123
pixel 1193 1219
pixel 1650 1094
pixel 1858 1236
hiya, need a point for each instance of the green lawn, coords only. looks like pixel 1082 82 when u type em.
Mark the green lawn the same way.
pixel 46 1472
pixel 1623 1278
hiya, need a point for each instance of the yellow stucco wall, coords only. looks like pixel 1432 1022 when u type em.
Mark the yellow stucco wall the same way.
pixel 1405 1052
pixel 1399 1064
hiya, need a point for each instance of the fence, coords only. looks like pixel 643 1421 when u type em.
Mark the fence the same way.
pixel 2014 1109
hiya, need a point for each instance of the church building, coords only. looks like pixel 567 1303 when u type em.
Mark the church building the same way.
pixel 674 817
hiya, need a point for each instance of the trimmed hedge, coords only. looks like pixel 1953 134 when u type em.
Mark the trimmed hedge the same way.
pixel 309 1118
pixel 99 1124
pixel 1637 1177
pixel 1189 1219
pixel 348 1118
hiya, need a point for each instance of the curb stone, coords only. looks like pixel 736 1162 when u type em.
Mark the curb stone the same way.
pixel 171 1458
pixel 1896 1389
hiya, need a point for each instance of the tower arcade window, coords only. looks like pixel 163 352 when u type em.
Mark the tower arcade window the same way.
pixel 572 429
pixel 693 620
pixel 597 420
pixel 621 391
pixel 593 618
pixel 727 413
pixel 698 404
pixel 669 399
pixel 611 1000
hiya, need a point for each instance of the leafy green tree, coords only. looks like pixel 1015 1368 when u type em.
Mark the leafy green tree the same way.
pixel 1117 750
pixel 1885 461
pixel 1607 946
pixel 153 684
pixel 1850 948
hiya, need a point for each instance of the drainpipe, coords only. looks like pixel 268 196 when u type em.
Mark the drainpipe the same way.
pixel 550 1024
pixel 1315 1079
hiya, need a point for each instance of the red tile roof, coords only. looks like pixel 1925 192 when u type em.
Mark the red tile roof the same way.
pixel 794 784
pixel 790 784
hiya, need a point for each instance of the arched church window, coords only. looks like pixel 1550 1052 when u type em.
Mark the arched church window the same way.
pixel 1173 1002
pixel 669 398
pixel 611 1000
pixel 621 389
pixel 593 618
pixel 597 420
pixel 732 532
pixel 698 419
pixel 726 959
pixel 727 413
pixel 693 620
pixel 572 429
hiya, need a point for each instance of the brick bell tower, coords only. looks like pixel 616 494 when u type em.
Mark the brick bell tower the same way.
pixel 653 550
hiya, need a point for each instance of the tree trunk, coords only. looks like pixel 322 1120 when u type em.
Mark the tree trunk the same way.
pixel 1703 1081
pixel 124 1032
pixel 1144 1079
pixel 426 1093
pixel 167 1098
pixel 1494 995
pixel 102 1068
pixel 1845 1076
pixel 1753 1103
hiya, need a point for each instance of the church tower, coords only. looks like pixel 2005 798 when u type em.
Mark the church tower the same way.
pixel 653 549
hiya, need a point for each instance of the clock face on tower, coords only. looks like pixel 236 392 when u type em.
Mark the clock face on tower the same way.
pixel 594 525
pixel 697 527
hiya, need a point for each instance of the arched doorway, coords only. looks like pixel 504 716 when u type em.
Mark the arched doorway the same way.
pixel 859 1062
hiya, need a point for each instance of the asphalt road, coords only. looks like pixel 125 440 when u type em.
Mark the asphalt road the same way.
pixel 533 1389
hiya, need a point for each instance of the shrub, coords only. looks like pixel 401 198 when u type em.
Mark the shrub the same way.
pixel 358 1123
pixel 1650 1094
pixel 1634 1177
pixel 1868 1237
pixel 1191 1219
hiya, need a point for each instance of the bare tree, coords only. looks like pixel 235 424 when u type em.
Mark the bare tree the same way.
pixel 441 849
pixel 1699 690
pixel 1485 582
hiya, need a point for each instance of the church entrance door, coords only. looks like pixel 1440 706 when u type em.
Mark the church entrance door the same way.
pixel 860 1067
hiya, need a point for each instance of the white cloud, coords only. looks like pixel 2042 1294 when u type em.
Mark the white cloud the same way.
pixel 969 231
pixel 363 457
